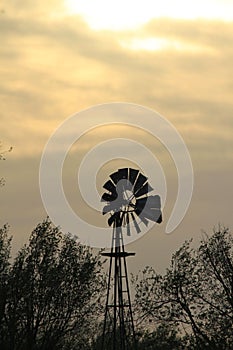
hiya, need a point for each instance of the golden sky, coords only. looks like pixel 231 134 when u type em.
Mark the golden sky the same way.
pixel 59 57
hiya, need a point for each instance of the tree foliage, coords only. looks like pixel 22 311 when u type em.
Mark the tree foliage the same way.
pixel 53 293
pixel 195 294
pixel 164 337
pixel 5 246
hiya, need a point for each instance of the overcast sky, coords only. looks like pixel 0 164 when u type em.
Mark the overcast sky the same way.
pixel 57 59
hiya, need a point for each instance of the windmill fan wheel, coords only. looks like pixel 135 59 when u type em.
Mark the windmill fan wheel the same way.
pixel 127 199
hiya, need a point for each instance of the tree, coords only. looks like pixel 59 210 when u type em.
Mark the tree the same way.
pixel 215 256
pixel 164 337
pixel 54 290
pixel 196 292
pixel 5 247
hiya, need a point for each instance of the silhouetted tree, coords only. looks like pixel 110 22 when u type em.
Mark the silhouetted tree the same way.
pixel 51 296
pixel 164 337
pixel 54 289
pixel 5 246
pixel 196 292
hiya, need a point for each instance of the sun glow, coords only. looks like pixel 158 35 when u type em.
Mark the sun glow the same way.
pixel 155 44
pixel 120 15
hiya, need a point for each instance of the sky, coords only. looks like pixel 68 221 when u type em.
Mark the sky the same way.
pixel 60 57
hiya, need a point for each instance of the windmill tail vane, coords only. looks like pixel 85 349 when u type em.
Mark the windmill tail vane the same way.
pixel 127 201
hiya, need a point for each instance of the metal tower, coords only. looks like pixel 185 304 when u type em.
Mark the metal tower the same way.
pixel 118 332
pixel 127 201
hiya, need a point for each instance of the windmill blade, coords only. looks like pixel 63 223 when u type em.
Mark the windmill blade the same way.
pixel 109 185
pixel 133 173
pixel 106 209
pixel 140 204
pixel 127 224
pixel 135 223
pixel 108 197
pixel 144 220
pixel 143 190
pixel 115 177
pixel 123 173
pixel 115 217
pixel 127 218
pixel 140 182
pixel 152 214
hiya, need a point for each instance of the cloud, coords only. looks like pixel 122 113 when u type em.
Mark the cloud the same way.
pixel 53 66
pixel 15 8
pixel 207 32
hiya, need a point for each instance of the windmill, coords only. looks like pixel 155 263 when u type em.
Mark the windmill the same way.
pixel 129 205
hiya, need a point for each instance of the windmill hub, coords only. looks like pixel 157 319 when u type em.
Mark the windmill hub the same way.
pixel 128 196
pixel 125 196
